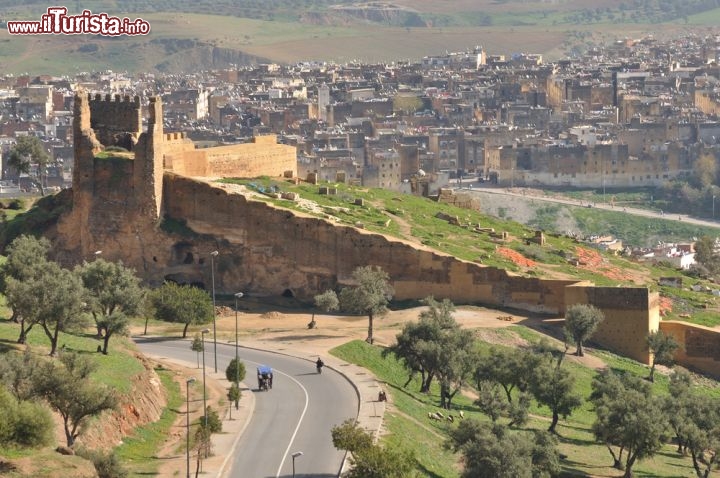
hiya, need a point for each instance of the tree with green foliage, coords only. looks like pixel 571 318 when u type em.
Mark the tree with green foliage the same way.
pixel 182 304
pixel 214 424
pixel 437 347
pixel 370 295
pixel 581 321
pixel 493 451
pixel 382 462
pixel 510 368
pixel 350 436
pixel 24 423
pixel 197 346
pixel 455 362
pixel 113 296
pixel 16 371
pixel 368 459
pixel 29 156
pixel 417 345
pixel 705 171
pixel 676 405
pixel 233 396
pixel 629 418
pixel 705 254
pixel 235 371
pixel 26 256
pixel 52 299
pixel 701 433
pixel 327 302
pixel 662 347
pixel 490 400
pixel 553 386
pixel 66 386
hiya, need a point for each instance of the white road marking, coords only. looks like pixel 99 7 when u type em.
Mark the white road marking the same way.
pixel 302 415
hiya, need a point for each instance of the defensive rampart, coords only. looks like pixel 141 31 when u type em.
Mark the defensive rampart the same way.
pixel 119 204
pixel 283 251
pixel 699 346
pixel 630 314
pixel 262 157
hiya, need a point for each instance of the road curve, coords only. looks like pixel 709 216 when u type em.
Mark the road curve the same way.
pixel 296 415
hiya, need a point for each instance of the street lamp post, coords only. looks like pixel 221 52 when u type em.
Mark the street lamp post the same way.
pixel 237 363
pixel 295 455
pixel 187 424
pixel 205 414
pixel 213 255
pixel 713 206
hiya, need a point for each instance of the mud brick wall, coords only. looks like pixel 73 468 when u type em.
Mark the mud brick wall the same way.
pixel 282 250
pixel 248 160
pixel 630 314
pixel 700 346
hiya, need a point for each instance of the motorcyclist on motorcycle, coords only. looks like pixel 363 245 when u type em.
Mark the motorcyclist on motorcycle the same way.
pixel 319 364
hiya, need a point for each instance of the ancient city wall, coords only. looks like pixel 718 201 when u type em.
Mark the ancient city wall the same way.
pixel 264 157
pixel 699 346
pixel 630 314
pixel 285 251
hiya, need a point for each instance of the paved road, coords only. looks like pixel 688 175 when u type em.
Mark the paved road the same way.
pixel 607 207
pixel 296 415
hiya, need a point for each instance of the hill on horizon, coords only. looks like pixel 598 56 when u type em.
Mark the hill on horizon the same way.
pixel 184 37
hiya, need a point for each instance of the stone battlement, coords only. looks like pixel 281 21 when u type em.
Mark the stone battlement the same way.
pixel 115 114
pixel 175 136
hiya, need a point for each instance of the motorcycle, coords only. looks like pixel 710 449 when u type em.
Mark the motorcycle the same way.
pixel 319 365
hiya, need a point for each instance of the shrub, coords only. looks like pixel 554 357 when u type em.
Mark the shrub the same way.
pixel 107 465
pixel 24 423
pixel 16 204
pixel 214 423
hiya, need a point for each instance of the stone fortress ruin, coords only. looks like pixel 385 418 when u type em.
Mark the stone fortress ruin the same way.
pixel 155 209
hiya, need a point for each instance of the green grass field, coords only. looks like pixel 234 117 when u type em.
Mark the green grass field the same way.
pixel 408 426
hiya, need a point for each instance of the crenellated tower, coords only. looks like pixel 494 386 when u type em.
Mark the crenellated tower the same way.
pixel 115 191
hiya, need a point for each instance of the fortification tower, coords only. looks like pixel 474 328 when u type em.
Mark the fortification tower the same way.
pixel 122 192
pixel 148 170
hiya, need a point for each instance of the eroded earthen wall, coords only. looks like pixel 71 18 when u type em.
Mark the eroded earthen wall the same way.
pixel 264 157
pixel 699 346
pixel 281 250
pixel 630 314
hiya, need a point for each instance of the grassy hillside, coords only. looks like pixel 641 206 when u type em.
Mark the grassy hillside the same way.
pixel 425 222
pixel 408 426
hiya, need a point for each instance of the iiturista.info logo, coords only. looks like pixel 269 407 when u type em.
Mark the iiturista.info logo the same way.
pixel 57 22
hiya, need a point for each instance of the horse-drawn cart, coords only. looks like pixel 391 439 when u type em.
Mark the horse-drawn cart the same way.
pixel 265 377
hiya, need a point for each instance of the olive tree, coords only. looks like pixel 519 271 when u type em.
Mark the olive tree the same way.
pixel 182 304
pixel 26 256
pixel 66 386
pixel 662 347
pixel 53 299
pixel 581 321
pixel 113 295
pixel 630 419
pixel 370 295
